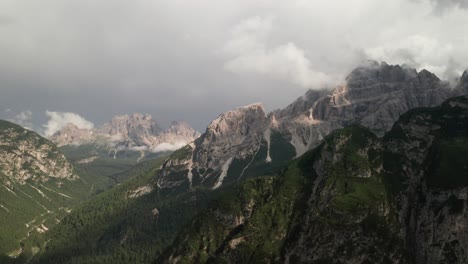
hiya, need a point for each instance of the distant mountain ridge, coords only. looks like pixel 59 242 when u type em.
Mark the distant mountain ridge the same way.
pixel 137 132
pixel 248 141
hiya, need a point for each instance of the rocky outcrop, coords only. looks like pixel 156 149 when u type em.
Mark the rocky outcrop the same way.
pixel 25 155
pixel 373 95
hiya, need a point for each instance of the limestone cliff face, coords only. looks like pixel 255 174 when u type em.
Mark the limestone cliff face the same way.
pixel 373 95
pixel 25 155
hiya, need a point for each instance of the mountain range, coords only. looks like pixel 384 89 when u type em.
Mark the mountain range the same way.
pixel 372 171
pixel 355 198
pixel 248 141
pixel 136 132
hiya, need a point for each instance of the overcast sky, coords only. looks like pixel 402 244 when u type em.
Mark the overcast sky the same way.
pixel 194 59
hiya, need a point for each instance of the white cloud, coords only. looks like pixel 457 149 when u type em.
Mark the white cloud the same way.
pixel 139 148
pixel 23 119
pixel 248 52
pixel 168 147
pixel 58 120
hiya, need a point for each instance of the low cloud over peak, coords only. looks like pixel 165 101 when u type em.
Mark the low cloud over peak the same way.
pixel 58 120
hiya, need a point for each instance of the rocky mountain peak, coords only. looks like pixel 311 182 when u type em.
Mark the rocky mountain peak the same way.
pixel 127 125
pixel 238 121
pixel 373 73
pixel 425 74
pixel 129 132
pixel 374 95
pixel 72 135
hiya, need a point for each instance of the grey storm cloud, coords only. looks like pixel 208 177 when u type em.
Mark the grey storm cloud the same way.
pixel 441 6
pixel 193 59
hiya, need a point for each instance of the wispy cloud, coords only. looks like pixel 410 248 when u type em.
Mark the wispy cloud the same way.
pixel 23 119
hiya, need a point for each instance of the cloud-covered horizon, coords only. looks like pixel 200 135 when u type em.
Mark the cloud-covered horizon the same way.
pixel 192 60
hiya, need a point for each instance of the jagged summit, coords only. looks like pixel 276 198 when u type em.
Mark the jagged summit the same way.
pixel 374 72
pixel 131 125
pixel 239 119
pixel 72 135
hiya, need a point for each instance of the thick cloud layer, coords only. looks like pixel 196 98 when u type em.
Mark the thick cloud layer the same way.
pixel 191 60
